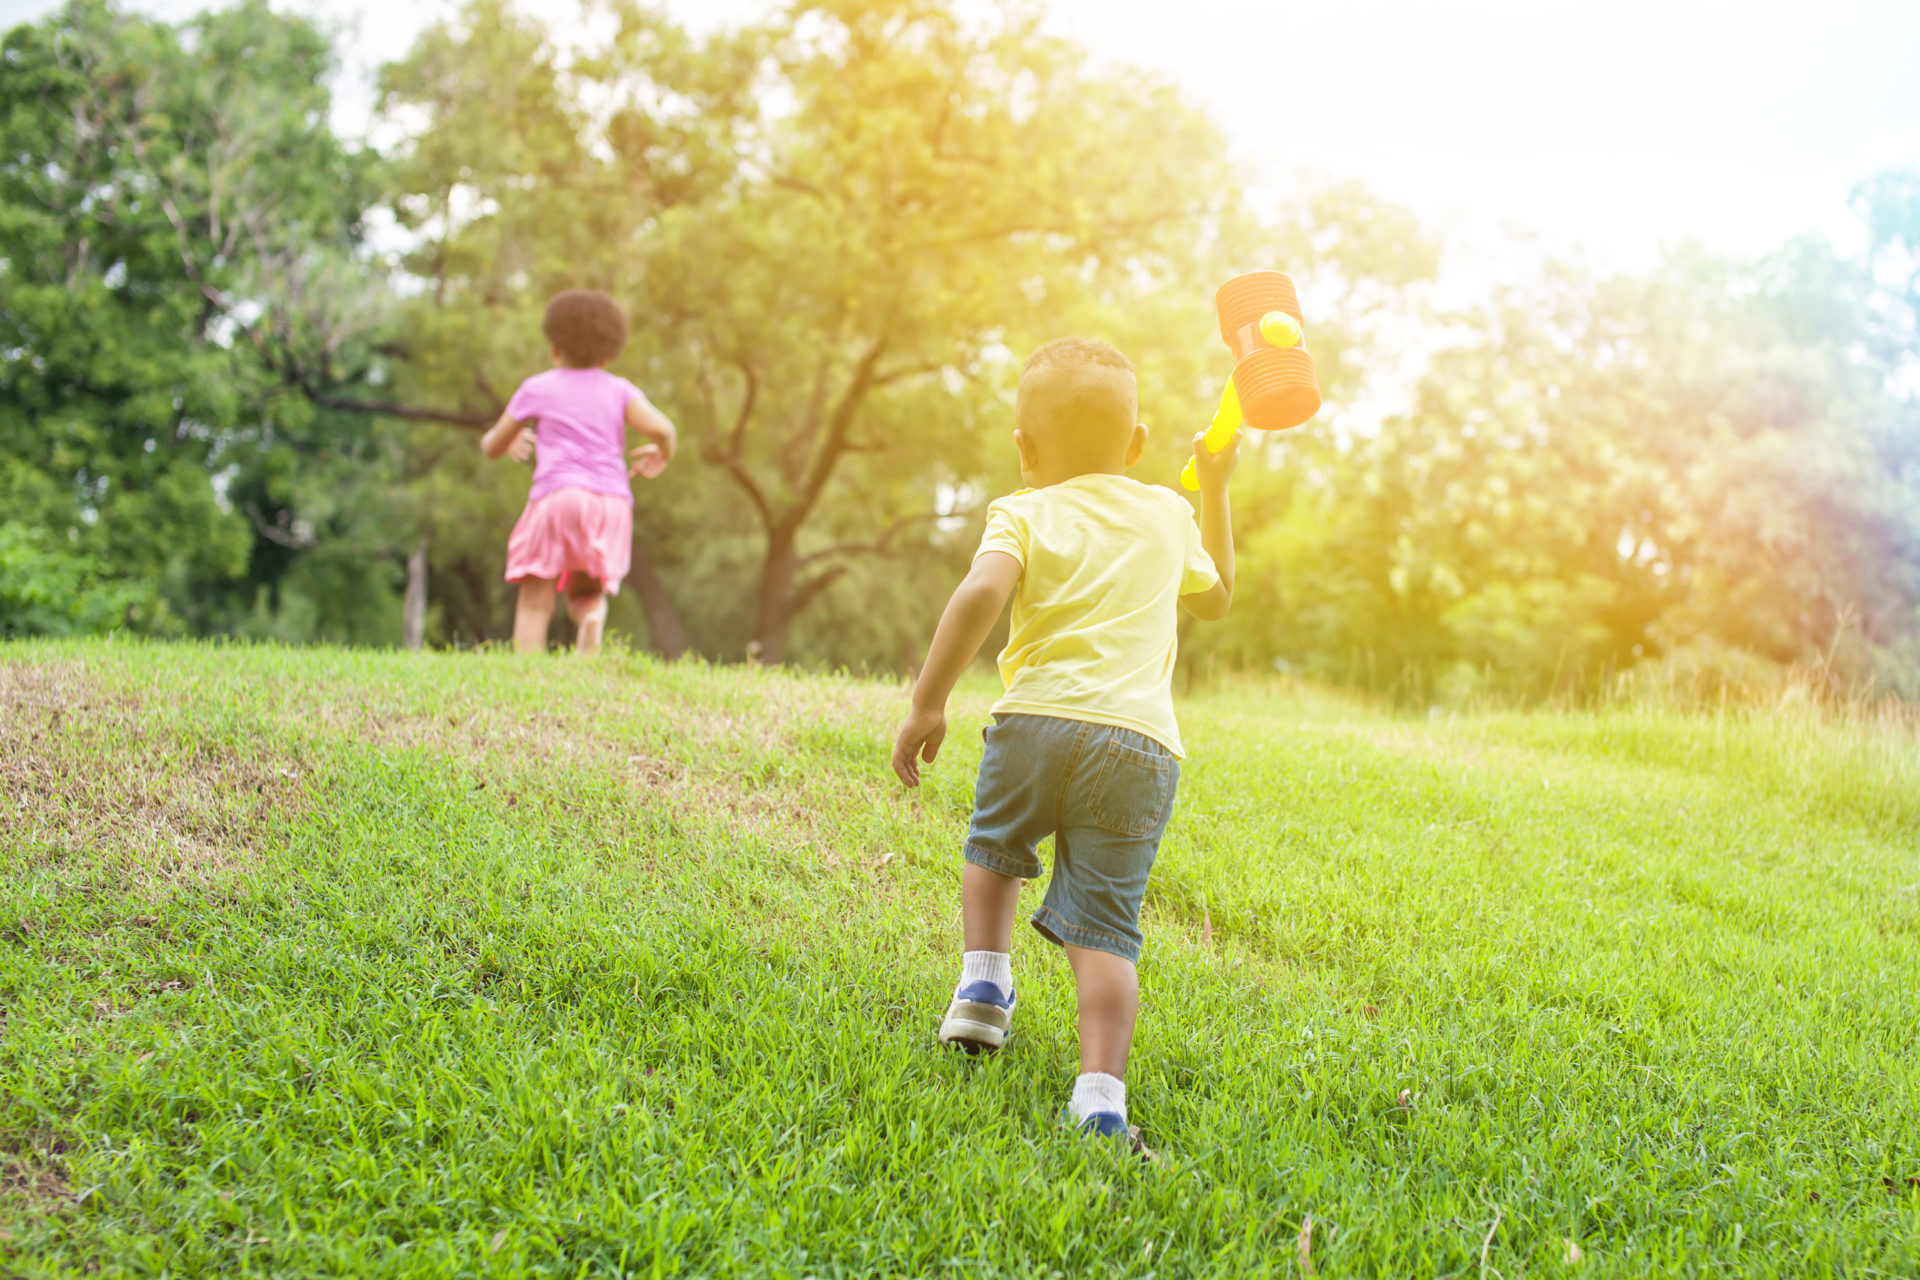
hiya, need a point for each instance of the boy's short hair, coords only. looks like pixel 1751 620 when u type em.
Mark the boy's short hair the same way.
pixel 1076 393
pixel 585 326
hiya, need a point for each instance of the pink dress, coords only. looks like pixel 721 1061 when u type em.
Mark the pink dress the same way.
pixel 579 516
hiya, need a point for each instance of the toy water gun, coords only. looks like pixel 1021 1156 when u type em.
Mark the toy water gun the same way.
pixel 1273 386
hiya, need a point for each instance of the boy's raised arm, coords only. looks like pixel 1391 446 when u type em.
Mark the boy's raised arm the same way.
pixel 1216 527
pixel 963 628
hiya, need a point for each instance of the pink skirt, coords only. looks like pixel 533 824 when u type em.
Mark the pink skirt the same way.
pixel 573 531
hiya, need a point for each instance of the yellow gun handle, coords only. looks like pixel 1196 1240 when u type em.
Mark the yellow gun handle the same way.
pixel 1226 421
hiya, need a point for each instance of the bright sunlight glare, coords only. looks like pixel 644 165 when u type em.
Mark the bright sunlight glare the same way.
pixel 1615 130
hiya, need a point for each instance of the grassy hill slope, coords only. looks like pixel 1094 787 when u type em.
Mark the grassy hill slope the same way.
pixel 362 963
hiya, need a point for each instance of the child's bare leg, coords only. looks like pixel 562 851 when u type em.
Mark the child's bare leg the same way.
pixel 981 1015
pixel 588 609
pixel 988 903
pixel 1109 993
pixel 532 614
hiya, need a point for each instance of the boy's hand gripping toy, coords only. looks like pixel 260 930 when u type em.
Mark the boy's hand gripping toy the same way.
pixel 1273 386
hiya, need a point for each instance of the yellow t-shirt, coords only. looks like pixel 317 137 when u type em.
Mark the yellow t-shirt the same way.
pixel 1096 614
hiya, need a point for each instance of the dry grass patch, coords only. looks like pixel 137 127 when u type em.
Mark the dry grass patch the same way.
pixel 610 721
pixel 36 1183
pixel 85 774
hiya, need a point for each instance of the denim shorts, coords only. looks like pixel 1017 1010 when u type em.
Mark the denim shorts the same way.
pixel 1103 793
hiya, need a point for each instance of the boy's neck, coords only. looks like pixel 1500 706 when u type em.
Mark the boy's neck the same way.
pixel 1044 477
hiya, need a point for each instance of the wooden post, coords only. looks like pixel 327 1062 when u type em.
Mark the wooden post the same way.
pixel 413 616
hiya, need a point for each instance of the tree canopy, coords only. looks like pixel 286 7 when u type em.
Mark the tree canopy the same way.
pixel 241 357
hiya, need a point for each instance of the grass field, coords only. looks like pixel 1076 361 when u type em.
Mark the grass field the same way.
pixel 320 962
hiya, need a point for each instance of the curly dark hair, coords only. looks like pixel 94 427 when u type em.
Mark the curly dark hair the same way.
pixel 585 326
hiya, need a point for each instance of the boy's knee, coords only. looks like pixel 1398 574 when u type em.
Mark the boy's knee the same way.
pixel 1106 962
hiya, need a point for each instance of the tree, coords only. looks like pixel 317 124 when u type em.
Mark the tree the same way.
pixel 525 176
pixel 157 194
pixel 839 231
pixel 827 295
pixel 1710 459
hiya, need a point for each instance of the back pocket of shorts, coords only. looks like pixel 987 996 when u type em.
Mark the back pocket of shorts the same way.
pixel 1134 791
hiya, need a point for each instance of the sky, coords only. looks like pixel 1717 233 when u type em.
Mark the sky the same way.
pixel 1611 130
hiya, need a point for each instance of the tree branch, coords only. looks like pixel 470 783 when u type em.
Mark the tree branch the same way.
pixel 481 381
pixel 908 371
pixel 730 459
pixel 738 440
pixel 412 413
pixel 791 183
pixel 279 531
pixel 1092 233
pixel 882 546
pixel 744 478
pixel 835 444
pixel 804 593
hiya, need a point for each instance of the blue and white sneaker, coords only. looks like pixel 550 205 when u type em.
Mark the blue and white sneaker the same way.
pixel 980 1019
pixel 1111 1124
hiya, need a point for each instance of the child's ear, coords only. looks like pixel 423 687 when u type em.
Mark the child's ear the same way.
pixel 1029 454
pixel 1138 445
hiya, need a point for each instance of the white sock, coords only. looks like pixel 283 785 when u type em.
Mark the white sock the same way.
pixel 991 966
pixel 1098 1091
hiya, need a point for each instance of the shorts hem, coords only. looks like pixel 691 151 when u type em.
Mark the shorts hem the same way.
pixel 1002 864
pixel 1057 931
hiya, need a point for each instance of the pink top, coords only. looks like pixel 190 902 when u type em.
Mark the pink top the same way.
pixel 583 430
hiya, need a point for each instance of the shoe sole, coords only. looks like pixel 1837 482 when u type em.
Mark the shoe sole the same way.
pixel 972 1034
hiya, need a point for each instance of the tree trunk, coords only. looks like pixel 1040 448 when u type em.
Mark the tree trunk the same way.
pixel 775 611
pixel 663 620
pixel 413 616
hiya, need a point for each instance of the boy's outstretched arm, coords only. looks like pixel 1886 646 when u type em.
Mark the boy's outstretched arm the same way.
pixel 963 628
pixel 1216 527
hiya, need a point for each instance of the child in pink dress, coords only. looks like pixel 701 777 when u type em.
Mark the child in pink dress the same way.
pixel 576 535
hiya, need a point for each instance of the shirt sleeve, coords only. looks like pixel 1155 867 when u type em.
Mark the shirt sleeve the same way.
pixel 1199 573
pixel 1004 532
pixel 525 403
pixel 629 393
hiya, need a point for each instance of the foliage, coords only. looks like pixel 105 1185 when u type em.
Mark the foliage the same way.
pixel 1600 474
pixel 47 590
pixel 164 194
pixel 466 965
pixel 827 295
pixel 839 230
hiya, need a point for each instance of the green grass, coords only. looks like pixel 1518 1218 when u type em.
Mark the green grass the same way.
pixel 320 962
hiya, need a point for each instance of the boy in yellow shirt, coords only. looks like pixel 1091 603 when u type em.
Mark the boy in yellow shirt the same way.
pixel 1084 746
